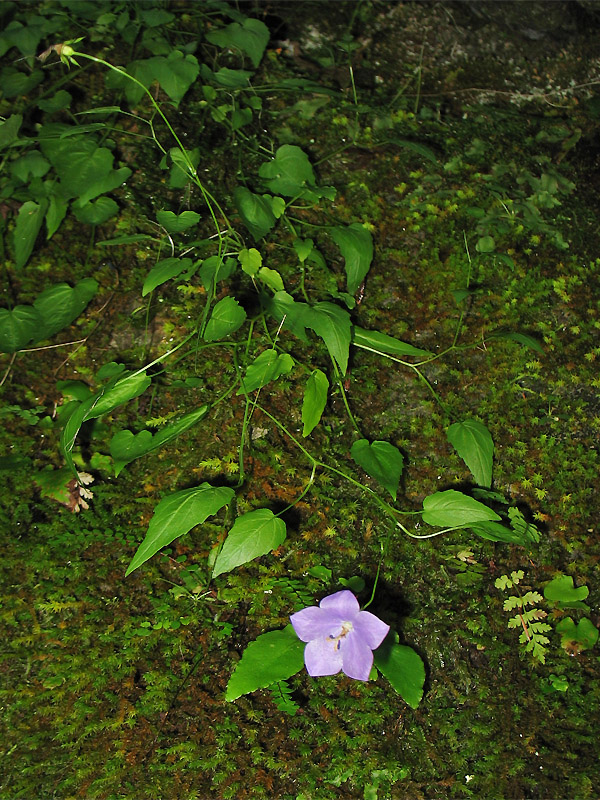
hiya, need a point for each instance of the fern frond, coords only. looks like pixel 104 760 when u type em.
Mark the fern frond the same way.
pixel 282 697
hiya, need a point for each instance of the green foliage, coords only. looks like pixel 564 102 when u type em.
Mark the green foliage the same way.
pixel 282 697
pixel 381 460
pixel 452 508
pixel 528 620
pixel 231 321
pixel 403 668
pixel 271 658
pixel 126 446
pixel 177 514
pixel 473 443
pixel 315 399
pixel 252 535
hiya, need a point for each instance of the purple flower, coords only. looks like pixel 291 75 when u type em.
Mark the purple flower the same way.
pixel 340 636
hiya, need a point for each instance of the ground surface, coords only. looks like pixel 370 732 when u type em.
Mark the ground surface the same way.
pixel 114 687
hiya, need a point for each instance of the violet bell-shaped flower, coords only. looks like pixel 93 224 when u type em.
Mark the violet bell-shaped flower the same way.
pixel 339 636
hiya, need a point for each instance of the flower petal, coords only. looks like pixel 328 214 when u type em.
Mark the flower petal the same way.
pixel 322 657
pixel 315 623
pixel 357 657
pixel 343 603
pixel 370 628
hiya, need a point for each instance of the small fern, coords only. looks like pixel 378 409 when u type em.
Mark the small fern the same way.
pixel 533 634
pixel 282 697
pixel 295 590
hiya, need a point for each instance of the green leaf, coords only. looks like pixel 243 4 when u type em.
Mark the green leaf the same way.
pixel 125 239
pixel 485 244
pixel 28 224
pixel 177 514
pixel 9 130
pixel 415 147
pixel 164 270
pixel 176 223
pixel 266 367
pixel 291 174
pixel 403 668
pixel 272 657
pixel 382 343
pixel 61 304
pixel 295 316
pixel 562 592
pixel 57 211
pixel 356 244
pixel 271 278
pixel 175 74
pixel 251 260
pixel 126 446
pixel 303 248
pixel 96 212
pixel 381 460
pixel 584 634
pixel 255 212
pixel 58 102
pixel 227 316
pixel 240 117
pixel 251 37
pixel 526 531
pixel 232 78
pixel 85 170
pixel 315 399
pixel 214 269
pixel 473 443
pixel 18 327
pixel 181 174
pixel 253 534
pixel 521 338
pixel 454 509
pixel 30 165
pixel 332 324
pixel 117 391
pixel 495 532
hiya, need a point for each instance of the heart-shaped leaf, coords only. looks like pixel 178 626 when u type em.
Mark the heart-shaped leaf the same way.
pixel 255 211
pixel 583 635
pixel 176 223
pixel 177 514
pixel 563 593
pixel 266 367
pixel 251 37
pixel 126 446
pixel 227 316
pixel 61 304
pixel 97 211
pixel 254 534
pixel 381 460
pixel 18 327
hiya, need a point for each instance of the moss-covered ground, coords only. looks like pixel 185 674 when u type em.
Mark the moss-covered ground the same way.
pixel 461 126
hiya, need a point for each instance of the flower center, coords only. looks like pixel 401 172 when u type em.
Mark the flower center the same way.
pixel 337 640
